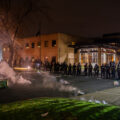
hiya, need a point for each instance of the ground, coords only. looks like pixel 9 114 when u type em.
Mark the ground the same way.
pixel 37 89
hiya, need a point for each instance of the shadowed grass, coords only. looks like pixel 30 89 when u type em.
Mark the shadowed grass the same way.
pixel 58 109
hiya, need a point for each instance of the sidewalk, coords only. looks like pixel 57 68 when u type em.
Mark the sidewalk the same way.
pixel 111 96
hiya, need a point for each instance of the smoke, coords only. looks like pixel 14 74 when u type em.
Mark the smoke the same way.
pixel 50 81
pixel 43 81
pixel 13 78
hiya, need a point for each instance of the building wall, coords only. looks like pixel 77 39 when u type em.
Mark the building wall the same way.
pixel 101 56
pixel 40 52
pixel 65 53
pixel 49 52
pixel 29 51
pixel 61 51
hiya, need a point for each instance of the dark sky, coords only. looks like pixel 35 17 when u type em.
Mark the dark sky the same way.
pixel 90 18
pixel 87 18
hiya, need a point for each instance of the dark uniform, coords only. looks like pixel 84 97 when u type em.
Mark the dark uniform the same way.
pixel 65 68
pixel 85 69
pixel 78 69
pixel 113 70
pixel 69 69
pixel 90 68
pixel 96 70
pixel 107 70
pixel 118 70
pixel 74 69
pixel 103 71
pixel 51 67
pixel 57 67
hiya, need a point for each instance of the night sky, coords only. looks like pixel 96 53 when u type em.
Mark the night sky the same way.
pixel 87 18
pixel 90 18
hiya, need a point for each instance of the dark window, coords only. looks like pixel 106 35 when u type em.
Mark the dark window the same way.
pixel 33 45
pixel 27 45
pixel 53 43
pixel 46 44
pixel 39 44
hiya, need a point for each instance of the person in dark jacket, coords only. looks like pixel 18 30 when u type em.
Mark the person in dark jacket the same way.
pixel 102 71
pixel 90 68
pixel 107 70
pixel 96 70
pixel 79 69
pixel 85 69
pixel 74 69
pixel 113 70
pixel 118 70
pixel 69 69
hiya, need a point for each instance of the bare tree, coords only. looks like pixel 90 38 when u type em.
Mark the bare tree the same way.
pixel 12 16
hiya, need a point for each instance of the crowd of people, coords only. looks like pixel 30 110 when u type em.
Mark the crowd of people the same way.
pixel 108 71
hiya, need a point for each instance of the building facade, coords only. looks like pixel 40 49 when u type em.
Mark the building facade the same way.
pixel 97 55
pixel 48 47
pixel 59 47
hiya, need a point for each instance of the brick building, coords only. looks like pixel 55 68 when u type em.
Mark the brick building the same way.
pixel 61 48
pixel 47 47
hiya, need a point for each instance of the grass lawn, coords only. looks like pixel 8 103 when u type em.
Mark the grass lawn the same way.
pixel 58 109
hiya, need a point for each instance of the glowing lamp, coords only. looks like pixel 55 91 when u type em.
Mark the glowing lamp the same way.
pixel 28 67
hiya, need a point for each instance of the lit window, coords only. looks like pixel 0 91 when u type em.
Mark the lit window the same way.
pixel 4 49
pixel 46 44
pixel 27 45
pixel 53 43
pixel 33 45
pixel 39 44
pixel 73 43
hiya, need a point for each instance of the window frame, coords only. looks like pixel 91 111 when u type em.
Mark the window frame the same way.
pixel 54 44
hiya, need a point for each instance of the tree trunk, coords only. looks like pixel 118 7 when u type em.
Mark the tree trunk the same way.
pixel 11 58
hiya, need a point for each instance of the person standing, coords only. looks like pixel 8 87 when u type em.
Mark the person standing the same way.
pixel 113 70
pixel 118 70
pixel 107 70
pixel 79 69
pixel 90 68
pixel 69 69
pixel 96 70
pixel 65 68
pixel 74 69
pixel 85 69
pixel 102 71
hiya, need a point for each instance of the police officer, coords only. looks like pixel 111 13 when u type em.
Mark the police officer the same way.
pixel 51 66
pixel 85 69
pixel 96 70
pixel 69 69
pixel 107 70
pixel 90 68
pixel 118 70
pixel 65 68
pixel 74 69
pixel 79 69
pixel 102 71
pixel 113 70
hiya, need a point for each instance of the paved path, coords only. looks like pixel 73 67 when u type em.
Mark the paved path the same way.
pixel 111 96
pixel 89 84
pixel 38 89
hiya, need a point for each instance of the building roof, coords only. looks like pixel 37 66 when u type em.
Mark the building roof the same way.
pixel 111 34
